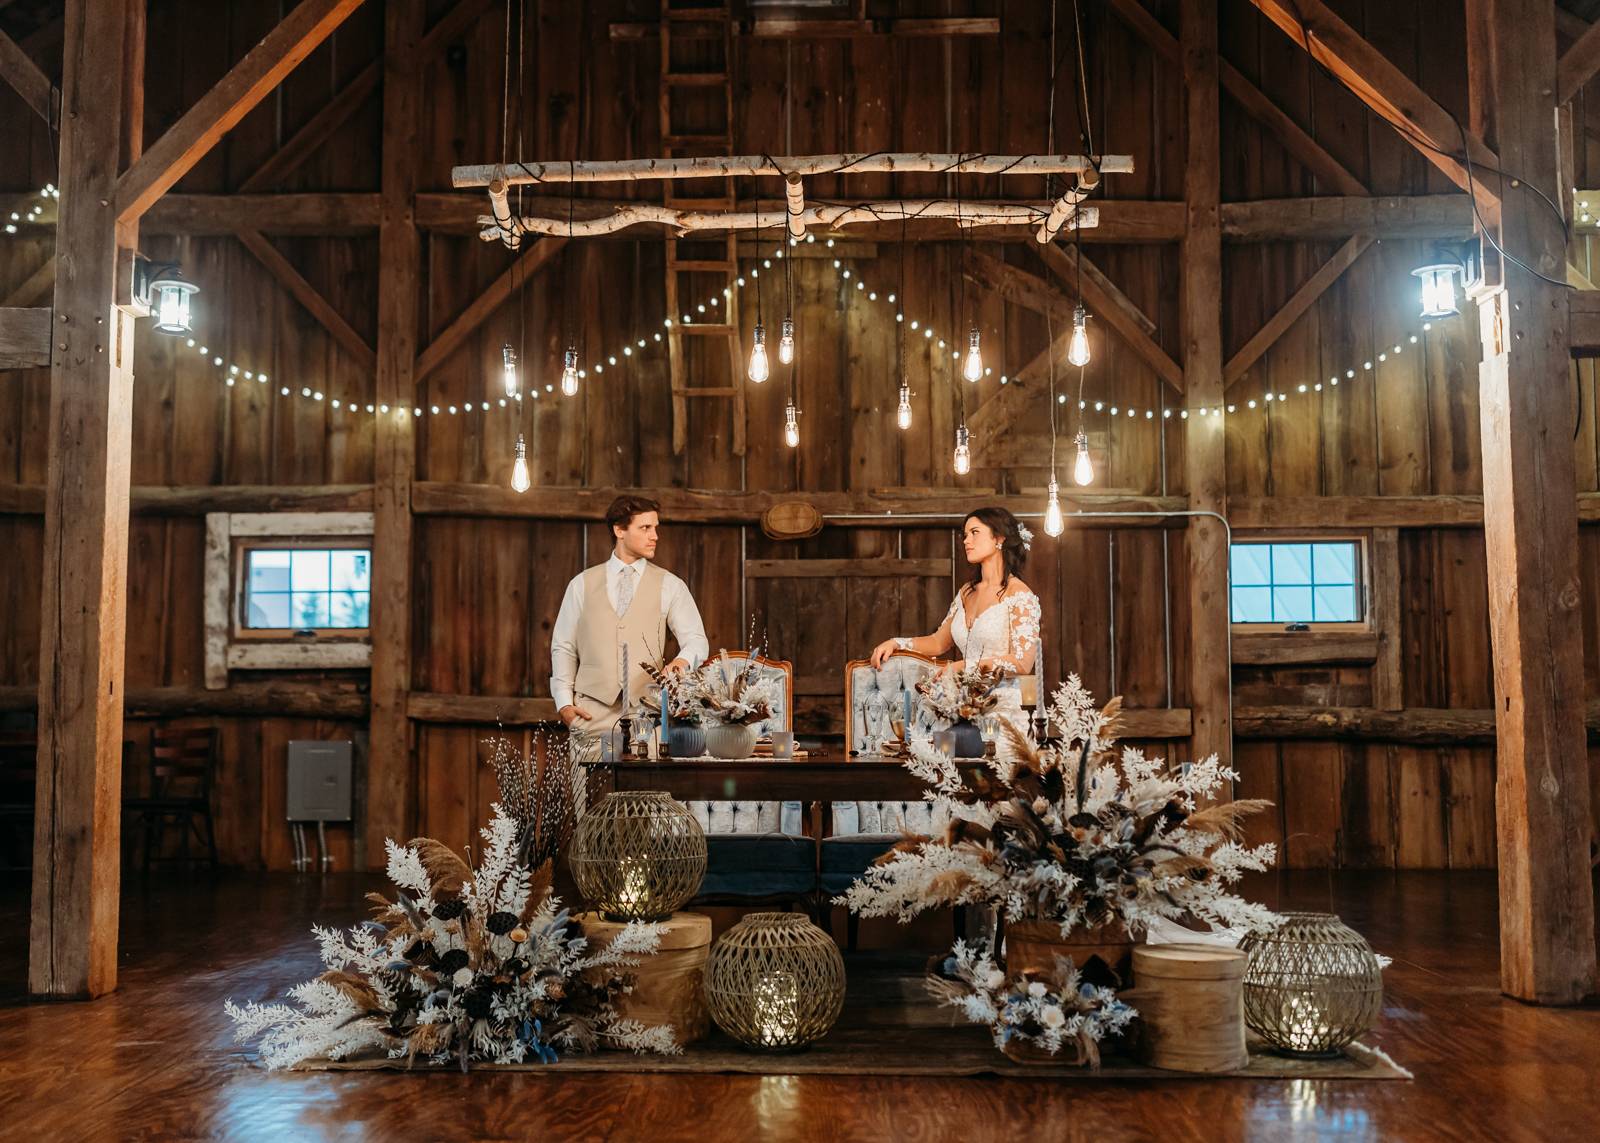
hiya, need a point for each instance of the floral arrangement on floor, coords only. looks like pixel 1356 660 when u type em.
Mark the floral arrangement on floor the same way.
pixel 1073 833
pixel 467 964
pixel 967 694
pixel 1052 1011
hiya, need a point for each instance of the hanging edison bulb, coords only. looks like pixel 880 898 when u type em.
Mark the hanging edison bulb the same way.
pixel 569 373
pixel 519 467
pixel 786 342
pixel 509 357
pixel 1078 347
pixel 963 457
pixel 972 368
pixel 1054 522
pixel 1083 467
pixel 902 413
pixel 791 425
pixel 758 355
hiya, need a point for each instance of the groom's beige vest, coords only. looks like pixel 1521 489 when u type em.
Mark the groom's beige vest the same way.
pixel 602 635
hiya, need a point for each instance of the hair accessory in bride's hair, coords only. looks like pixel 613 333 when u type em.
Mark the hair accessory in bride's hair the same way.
pixel 1025 536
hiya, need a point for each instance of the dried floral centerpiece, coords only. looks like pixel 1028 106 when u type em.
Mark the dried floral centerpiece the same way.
pixel 1034 1014
pixel 733 695
pixel 965 695
pixel 1074 840
pixel 467 964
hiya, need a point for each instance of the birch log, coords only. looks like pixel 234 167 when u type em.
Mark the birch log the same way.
pixel 794 193
pixel 711 166
pixel 1066 206
pixel 683 221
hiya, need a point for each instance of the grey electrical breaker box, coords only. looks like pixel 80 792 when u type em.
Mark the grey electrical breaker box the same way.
pixel 319 781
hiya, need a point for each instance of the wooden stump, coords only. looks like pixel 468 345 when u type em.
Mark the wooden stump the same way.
pixel 1191 1007
pixel 667 985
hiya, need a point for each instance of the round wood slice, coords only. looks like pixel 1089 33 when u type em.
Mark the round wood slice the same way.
pixel 667 986
pixel 1190 961
pixel 791 520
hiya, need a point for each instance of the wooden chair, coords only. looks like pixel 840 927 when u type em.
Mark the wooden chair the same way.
pixel 19 755
pixel 183 764
pixel 757 852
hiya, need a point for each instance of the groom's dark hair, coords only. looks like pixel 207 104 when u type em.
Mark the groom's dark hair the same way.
pixel 624 508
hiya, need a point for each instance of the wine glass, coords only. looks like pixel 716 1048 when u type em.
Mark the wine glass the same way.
pixel 877 713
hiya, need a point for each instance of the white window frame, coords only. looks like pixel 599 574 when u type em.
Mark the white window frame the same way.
pixel 1363 542
pixel 224 569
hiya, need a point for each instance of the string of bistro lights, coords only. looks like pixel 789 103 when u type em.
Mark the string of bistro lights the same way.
pixel 968 354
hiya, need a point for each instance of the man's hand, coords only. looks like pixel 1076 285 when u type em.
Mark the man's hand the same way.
pixel 572 713
pixel 676 667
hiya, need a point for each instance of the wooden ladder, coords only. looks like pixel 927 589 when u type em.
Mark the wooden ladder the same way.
pixel 694 122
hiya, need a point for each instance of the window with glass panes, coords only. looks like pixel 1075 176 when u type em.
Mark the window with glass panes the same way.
pixel 300 588
pixel 1296 581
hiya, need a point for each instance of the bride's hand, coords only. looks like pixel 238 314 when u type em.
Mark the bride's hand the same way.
pixel 954 666
pixel 881 653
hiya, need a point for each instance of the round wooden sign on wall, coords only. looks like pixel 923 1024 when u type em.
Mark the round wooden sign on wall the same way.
pixel 791 520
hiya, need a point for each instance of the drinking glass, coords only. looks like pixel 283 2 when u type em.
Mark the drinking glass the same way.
pixel 783 744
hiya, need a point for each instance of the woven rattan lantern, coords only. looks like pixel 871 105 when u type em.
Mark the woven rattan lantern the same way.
pixel 775 982
pixel 638 856
pixel 1312 986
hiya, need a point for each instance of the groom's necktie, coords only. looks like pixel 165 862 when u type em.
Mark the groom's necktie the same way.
pixel 625 587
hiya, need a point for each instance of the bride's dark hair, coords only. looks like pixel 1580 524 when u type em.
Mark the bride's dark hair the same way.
pixel 1007 531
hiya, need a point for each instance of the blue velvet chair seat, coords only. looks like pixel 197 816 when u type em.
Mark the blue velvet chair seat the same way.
pixel 759 865
pixel 846 857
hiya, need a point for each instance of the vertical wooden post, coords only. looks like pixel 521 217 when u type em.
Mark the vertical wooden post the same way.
pixel 391 778
pixel 1205 458
pixel 1547 946
pixel 78 815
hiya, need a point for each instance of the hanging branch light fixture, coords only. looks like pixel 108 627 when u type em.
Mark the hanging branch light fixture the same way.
pixel 902 412
pixel 569 359
pixel 759 369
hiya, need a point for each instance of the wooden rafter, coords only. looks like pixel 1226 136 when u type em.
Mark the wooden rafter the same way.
pixel 24 337
pixel 796 28
pixel 1002 413
pixel 1292 310
pixel 1116 310
pixel 35 288
pixel 1388 92
pixel 246 84
pixel 527 264
pixel 309 297
pixel 1295 139
pixel 337 111
pixel 18 69
pixel 1578 65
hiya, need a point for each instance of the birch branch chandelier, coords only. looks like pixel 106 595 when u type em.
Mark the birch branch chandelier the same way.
pixel 1049 218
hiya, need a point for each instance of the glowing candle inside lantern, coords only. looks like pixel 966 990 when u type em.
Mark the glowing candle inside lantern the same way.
pixel 777 1000
pixel 634 894
pixel 1307 1030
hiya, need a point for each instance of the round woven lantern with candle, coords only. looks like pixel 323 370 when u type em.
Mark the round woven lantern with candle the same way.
pixel 775 982
pixel 1312 986
pixel 638 855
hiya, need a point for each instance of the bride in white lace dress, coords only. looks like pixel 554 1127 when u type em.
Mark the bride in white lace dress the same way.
pixel 994 618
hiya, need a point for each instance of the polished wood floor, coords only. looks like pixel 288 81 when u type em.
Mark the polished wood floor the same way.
pixel 156 1061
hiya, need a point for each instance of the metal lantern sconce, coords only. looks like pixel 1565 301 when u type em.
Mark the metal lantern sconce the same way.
pixel 166 294
pixel 1439 275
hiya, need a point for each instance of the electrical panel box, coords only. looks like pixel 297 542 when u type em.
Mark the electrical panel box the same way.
pixel 320 779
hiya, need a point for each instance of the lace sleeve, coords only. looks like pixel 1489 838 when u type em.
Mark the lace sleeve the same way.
pixel 1022 644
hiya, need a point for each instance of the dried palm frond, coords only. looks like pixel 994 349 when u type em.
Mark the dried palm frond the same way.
pixel 358 990
pixel 1111 719
pixel 539 882
pixel 1226 818
pixel 447 872
pixel 1183 864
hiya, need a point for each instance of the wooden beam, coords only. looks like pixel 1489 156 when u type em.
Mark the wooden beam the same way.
pixel 1388 91
pixel 1005 409
pixel 1583 317
pixel 310 298
pixel 1336 512
pixel 28 79
pixel 24 338
pixel 337 111
pixel 1293 309
pixel 392 780
pixel 865 509
pixel 480 710
pixel 1547 938
pixel 247 83
pixel 528 263
pixel 1384 617
pixel 1279 648
pixel 1440 216
pixel 197 500
pixel 1295 139
pixel 83 605
pixel 320 700
pixel 1200 316
pixel 841 568
pixel 1115 309
pixel 39 285
pixel 1578 65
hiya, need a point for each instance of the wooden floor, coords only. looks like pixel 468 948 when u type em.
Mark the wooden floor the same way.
pixel 155 1060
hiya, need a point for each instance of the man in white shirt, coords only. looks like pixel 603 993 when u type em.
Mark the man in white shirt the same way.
pixel 617 612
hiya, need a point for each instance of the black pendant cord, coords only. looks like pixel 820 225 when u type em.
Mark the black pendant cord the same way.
pixel 900 310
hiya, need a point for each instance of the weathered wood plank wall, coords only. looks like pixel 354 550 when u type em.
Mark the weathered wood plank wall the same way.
pixel 486 590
